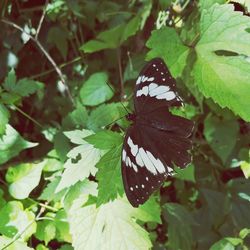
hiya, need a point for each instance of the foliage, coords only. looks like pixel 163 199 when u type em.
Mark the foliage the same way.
pixel 67 75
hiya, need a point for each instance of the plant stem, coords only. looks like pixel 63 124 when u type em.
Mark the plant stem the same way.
pixel 50 59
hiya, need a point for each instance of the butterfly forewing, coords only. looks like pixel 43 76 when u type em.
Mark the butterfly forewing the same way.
pixel 155 87
pixel 157 141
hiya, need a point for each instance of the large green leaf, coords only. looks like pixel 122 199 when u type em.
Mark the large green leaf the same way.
pixel 105 139
pixel 11 144
pixel 222 71
pixel 221 135
pixel 23 179
pixel 165 43
pixel 81 160
pixel 96 90
pixel 180 223
pixel 109 227
pixel 109 168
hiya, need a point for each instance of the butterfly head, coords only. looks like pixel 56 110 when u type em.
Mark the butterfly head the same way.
pixel 131 117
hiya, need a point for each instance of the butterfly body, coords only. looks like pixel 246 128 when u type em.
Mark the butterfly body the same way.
pixel 156 141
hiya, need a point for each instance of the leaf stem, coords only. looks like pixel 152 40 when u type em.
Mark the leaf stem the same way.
pixel 41 20
pixel 27 115
pixel 120 73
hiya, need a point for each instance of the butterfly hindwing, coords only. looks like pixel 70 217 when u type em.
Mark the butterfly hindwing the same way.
pixel 155 87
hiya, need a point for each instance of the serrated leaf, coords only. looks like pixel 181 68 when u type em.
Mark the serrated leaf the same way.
pixel 14 219
pixel 4 118
pixel 109 227
pixel 226 244
pixel 46 231
pixel 180 223
pixel 186 174
pixel 81 160
pixel 49 193
pixel 221 135
pixel 165 43
pixel 23 179
pixel 104 115
pixel 17 245
pixel 96 90
pixel 2 200
pixel 11 144
pixel 62 227
pixel 85 187
pixel 23 87
pixel 105 139
pixel 109 168
pixel 224 78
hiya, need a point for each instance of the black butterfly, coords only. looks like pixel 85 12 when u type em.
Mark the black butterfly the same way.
pixel 156 140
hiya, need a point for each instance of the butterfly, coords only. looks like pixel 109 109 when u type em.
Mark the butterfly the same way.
pixel 156 140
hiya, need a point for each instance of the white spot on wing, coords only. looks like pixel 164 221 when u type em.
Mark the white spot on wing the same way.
pixel 157 163
pixel 159 90
pixel 168 96
pixel 134 167
pixel 149 165
pixel 124 154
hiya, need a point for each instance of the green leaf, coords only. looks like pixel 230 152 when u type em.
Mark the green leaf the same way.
pixel 2 200
pixel 221 135
pixel 4 118
pixel 165 43
pixel 206 4
pixel 111 226
pixel 11 144
pixel 58 37
pixel 24 87
pixel 16 245
pixel 119 35
pixel 49 193
pixel 14 219
pixel 81 160
pixel 105 139
pixel 180 223
pixel 104 115
pixel 245 167
pixel 96 90
pixel 23 179
pixel 62 227
pixel 226 244
pixel 85 187
pixel 109 168
pixel 244 233
pixel 46 231
pixel 221 70
pixel 186 174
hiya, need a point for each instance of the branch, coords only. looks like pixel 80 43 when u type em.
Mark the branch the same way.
pixel 120 73
pixel 41 20
pixel 36 41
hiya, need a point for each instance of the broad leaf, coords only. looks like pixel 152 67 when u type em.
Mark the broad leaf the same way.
pixel 23 179
pixel 81 160
pixel 165 43
pixel 109 168
pixel 105 139
pixel 221 135
pixel 180 223
pixel 96 90
pixel 221 70
pixel 11 144
pixel 46 231
pixel 17 245
pixel 109 227
pixel 119 35
pixel 14 219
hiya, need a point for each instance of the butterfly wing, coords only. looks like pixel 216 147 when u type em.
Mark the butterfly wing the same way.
pixel 158 140
pixel 155 87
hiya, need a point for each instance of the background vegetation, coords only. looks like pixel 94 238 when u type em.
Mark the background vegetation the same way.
pixel 60 178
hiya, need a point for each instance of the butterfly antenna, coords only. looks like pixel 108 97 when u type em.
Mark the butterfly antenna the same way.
pixel 115 121
pixel 120 102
